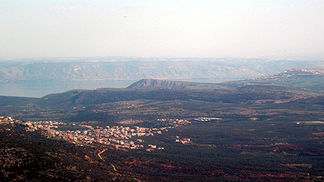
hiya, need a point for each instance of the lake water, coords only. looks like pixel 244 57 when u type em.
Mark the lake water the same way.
pixel 42 88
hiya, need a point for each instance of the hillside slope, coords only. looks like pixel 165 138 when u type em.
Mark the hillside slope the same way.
pixel 31 156
pixel 230 95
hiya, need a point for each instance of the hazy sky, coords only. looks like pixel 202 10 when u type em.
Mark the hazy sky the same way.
pixel 168 28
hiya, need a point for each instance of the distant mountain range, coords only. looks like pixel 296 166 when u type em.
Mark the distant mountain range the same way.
pixel 189 69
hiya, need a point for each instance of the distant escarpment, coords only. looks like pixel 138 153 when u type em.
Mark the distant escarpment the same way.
pixel 193 69
pixel 169 84
pixel 152 83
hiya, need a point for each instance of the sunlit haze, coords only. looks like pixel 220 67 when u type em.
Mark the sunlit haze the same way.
pixel 162 28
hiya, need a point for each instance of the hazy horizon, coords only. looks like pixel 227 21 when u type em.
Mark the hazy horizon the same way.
pixel 148 58
pixel 251 29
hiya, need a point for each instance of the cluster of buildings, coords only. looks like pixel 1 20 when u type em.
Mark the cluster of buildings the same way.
pixel 183 140
pixel 9 120
pixel 174 122
pixel 119 137
pixel 43 125
pixel 115 136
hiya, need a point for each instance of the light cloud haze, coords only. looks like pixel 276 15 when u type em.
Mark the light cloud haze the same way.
pixel 168 28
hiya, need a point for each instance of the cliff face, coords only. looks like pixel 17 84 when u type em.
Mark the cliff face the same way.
pixel 168 84
pixel 163 84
